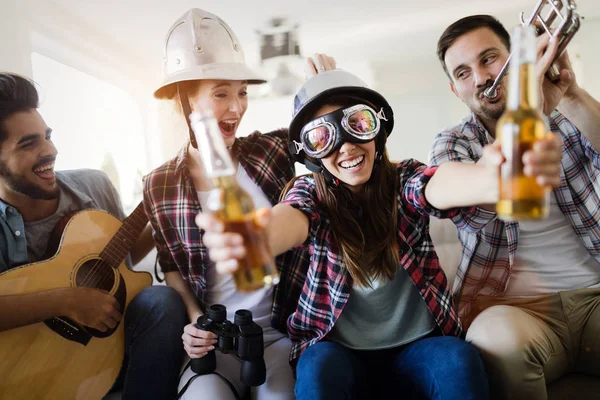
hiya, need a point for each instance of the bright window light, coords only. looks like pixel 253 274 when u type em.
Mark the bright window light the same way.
pixel 95 125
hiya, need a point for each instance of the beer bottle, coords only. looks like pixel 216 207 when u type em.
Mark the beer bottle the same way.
pixel 233 206
pixel 521 125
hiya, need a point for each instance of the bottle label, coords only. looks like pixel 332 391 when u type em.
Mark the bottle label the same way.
pixel 511 150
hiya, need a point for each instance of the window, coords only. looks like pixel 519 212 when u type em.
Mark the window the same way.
pixel 95 125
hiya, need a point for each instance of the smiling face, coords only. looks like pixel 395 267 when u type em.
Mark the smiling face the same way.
pixel 473 62
pixel 352 163
pixel 27 157
pixel 228 101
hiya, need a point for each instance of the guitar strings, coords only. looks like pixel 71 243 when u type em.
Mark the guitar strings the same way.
pixel 131 221
pixel 95 279
pixel 87 280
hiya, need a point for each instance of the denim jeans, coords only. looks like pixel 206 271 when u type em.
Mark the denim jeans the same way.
pixel 154 322
pixel 441 368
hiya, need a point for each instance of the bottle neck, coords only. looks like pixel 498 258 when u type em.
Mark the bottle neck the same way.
pixel 212 150
pixel 523 86
pixel 226 181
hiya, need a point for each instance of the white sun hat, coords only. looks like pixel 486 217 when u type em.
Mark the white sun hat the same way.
pixel 200 45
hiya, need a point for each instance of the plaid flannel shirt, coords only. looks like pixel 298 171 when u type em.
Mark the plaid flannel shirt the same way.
pixel 171 203
pixel 325 287
pixel 489 245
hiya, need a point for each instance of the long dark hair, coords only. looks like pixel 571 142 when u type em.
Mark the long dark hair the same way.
pixel 365 224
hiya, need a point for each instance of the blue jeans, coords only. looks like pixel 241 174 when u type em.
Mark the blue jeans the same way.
pixel 154 322
pixel 441 368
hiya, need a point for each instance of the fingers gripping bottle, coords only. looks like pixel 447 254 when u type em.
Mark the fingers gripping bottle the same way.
pixel 521 125
pixel 229 202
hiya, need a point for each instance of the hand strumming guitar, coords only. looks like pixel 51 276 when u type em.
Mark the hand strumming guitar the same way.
pixel 92 307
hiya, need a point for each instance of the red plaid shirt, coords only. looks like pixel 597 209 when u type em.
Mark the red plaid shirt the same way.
pixel 489 245
pixel 325 287
pixel 171 203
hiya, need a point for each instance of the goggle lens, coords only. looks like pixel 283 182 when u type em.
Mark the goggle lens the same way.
pixel 317 138
pixel 363 121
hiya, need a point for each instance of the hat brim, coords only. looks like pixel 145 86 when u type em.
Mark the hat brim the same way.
pixel 217 71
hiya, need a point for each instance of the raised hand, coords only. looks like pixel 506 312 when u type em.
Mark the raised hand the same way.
pixel 551 93
pixel 318 63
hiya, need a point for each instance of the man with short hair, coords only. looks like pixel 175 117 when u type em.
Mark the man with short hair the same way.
pixel 529 290
pixel 33 198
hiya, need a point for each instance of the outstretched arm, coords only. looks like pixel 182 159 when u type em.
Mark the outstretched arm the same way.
pixel 457 184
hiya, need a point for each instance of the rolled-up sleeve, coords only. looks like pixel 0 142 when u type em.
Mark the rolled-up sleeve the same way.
pixel 302 196
pixel 449 146
pixel 417 175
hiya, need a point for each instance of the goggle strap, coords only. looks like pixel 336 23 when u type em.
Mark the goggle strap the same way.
pixel 381 115
pixel 329 178
pixel 311 166
pixel 296 147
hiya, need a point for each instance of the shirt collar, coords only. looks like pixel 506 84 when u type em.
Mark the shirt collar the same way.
pixel 3 207
pixel 478 126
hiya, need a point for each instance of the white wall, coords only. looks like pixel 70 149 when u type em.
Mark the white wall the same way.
pixel 15 39
pixel 423 105
pixel 584 51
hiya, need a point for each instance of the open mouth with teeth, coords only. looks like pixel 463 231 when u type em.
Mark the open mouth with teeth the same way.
pixel 353 163
pixel 228 126
pixel 45 171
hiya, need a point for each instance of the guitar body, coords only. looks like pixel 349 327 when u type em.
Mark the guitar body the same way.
pixel 58 359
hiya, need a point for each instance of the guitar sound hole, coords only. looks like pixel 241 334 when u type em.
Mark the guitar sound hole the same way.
pixel 96 273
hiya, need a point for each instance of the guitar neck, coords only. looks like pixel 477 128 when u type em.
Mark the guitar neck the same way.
pixel 119 246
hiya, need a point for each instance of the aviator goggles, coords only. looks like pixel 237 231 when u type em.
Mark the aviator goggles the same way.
pixel 324 135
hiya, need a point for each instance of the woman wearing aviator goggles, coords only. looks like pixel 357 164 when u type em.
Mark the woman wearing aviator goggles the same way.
pixel 371 315
pixel 326 134
pixel 373 287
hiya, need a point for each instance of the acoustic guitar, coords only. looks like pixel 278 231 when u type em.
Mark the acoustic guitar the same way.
pixel 59 358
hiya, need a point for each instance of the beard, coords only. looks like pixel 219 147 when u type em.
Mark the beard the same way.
pixel 489 111
pixel 20 184
pixel 485 109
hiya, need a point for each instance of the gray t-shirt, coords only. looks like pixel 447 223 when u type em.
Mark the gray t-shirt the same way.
pixel 37 233
pixel 389 314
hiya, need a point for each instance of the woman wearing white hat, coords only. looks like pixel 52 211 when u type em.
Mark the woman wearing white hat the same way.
pixel 204 68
